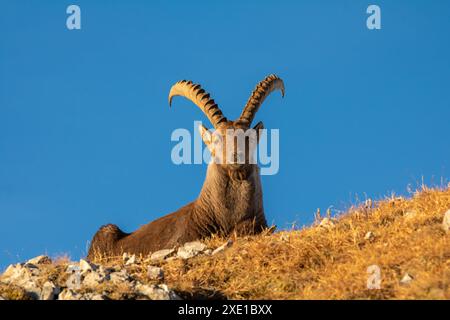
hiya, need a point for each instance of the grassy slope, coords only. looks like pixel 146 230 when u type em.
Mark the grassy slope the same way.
pixel 326 263
pixel 320 263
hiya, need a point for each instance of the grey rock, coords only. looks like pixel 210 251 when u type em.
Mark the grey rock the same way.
pixel 131 260
pixel 156 292
pixel 93 296
pixel 49 291
pixel 161 254
pixel 86 266
pixel 25 276
pixel 222 248
pixel 155 273
pixel 40 260
pixel 119 276
pixel 69 294
pixel 92 279
pixel 190 249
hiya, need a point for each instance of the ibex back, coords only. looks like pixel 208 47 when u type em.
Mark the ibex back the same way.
pixel 231 196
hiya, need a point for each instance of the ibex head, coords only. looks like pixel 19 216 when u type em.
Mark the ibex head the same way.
pixel 231 143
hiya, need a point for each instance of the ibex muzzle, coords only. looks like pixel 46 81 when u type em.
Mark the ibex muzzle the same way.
pixel 231 196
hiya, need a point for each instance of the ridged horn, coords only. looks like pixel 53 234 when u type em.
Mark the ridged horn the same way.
pixel 262 90
pixel 200 97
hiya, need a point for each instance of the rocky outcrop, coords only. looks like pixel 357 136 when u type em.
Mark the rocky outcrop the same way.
pixel 42 279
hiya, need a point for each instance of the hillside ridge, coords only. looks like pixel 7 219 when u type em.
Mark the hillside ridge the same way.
pixel 396 248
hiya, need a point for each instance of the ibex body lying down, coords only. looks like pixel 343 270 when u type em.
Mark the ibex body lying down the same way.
pixel 231 196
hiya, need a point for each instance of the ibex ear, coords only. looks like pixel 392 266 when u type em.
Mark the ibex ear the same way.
pixel 205 134
pixel 259 126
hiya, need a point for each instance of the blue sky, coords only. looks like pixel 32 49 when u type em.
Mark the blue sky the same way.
pixel 85 126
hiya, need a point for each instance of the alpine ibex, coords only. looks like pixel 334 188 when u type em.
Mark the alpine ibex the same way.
pixel 231 196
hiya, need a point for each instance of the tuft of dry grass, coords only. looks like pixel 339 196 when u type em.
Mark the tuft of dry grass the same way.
pixel 328 260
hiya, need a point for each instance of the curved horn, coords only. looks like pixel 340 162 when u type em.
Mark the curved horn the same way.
pixel 262 90
pixel 200 97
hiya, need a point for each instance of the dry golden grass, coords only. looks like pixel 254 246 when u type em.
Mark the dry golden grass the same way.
pixel 316 262
pixel 321 263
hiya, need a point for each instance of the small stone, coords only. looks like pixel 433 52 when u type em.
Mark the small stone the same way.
pixel 93 296
pixel 161 254
pixel 195 246
pixel 156 292
pixel 208 252
pixel 222 248
pixel 327 223
pixel 69 294
pixel 92 279
pixel 407 278
pixel 410 214
pixel 40 260
pixel 446 221
pixel 190 249
pixel 11 272
pixel 155 273
pixel 119 276
pixel 131 260
pixel 369 236
pixel 49 291
pixel 86 266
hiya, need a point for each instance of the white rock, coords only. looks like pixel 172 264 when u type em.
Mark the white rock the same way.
pixel 156 292
pixel 69 294
pixel 222 248
pixel 93 296
pixel 446 221
pixel 195 245
pixel 1 298
pixel 49 291
pixel 86 266
pixel 104 271
pixel 155 273
pixel 119 276
pixel 161 254
pixel 407 278
pixel 369 236
pixel 190 249
pixel 92 279
pixel 11 272
pixel 40 260
pixel 326 223
pixel 131 260
pixel 25 276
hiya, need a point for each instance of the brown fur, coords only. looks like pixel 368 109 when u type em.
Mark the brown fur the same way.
pixel 230 199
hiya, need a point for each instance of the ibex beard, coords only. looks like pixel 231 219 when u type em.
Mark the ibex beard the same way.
pixel 230 200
